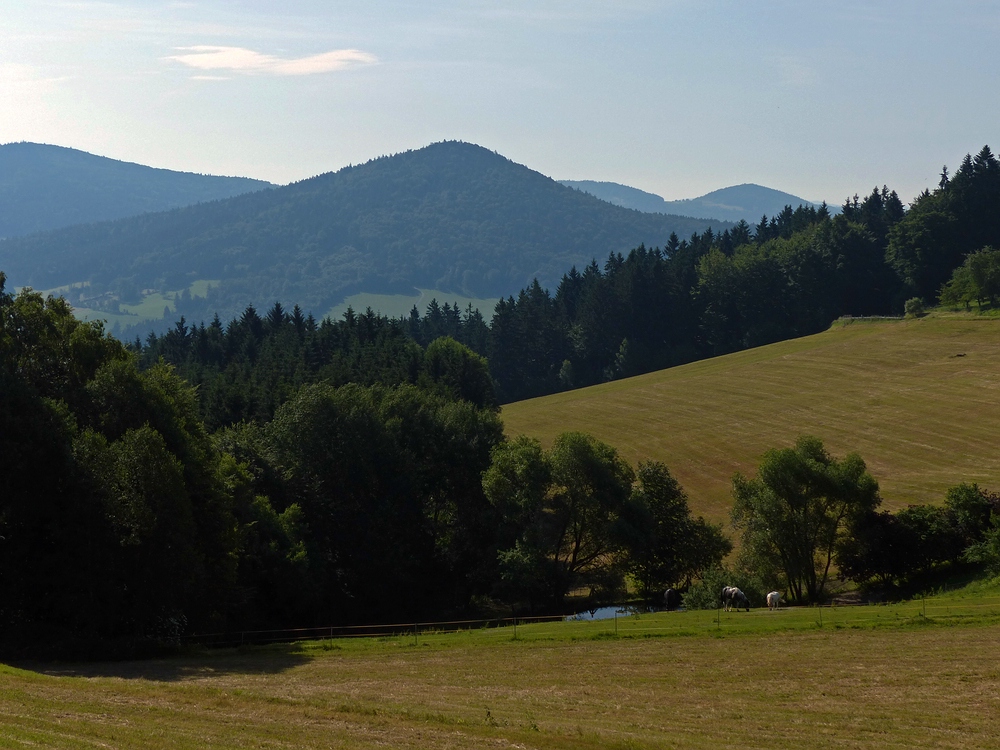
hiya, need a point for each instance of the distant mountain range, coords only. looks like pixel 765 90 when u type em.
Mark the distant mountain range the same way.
pixel 748 202
pixel 452 216
pixel 47 187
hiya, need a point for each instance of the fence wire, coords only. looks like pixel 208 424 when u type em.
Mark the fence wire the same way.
pixel 628 624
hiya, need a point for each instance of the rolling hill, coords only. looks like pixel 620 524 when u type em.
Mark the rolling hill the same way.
pixel 918 399
pixel 747 202
pixel 46 187
pixel 452 216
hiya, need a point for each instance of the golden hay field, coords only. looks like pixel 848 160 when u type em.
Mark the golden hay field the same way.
pixel 918 399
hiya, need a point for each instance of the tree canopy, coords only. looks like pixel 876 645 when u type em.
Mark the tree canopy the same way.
pixel 793 512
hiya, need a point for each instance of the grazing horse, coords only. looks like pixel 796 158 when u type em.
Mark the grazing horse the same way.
pixel 671 599
pixel 733 598
pixel 773 599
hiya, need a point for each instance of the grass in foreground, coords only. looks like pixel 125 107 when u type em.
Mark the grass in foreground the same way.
pixel 886 677
pixel 918 399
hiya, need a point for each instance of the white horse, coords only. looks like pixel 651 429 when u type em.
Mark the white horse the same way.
pixel 732 598
pixel 773 599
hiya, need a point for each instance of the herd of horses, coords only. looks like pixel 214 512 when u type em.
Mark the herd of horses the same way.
pixel 732 599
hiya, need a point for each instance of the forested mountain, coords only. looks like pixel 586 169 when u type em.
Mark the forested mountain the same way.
pixel 620 195
pixel 713 293
pixel 46 187
pixel 451 216
pixel 740 202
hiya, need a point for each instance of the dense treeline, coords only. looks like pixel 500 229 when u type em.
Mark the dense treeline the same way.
pixel 356 495
pixel 714 293
pixel 246 369
pixel 807 515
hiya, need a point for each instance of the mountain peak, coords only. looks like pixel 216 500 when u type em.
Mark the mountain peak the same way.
pixel 451 216
pixel 45 187
pixel 747 201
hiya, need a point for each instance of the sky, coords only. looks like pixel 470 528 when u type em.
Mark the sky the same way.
pixel 677 97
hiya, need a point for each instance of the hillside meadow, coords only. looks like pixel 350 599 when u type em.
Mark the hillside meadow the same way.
pixel 897 676
pixel 918 399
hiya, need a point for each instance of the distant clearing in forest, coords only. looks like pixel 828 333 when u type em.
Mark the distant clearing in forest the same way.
pixel 918 399
pixel 399 305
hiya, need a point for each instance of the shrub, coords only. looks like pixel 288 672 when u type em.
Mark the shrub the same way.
pixel 914 307
pixel 707 592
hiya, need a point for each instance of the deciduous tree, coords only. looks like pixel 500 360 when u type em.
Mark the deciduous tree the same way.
pixel 791 514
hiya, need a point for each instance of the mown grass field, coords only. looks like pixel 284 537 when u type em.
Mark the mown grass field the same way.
pixel 887 677
pixel 918 399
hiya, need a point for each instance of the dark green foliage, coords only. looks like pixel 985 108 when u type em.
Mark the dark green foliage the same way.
pixel 793 512
pixel 893 549
pixel 670 548
pixel 706 592
pixel 455 371
pixel 388 505
pixel 874 549
pixel 528 343
pixel 914 307
pixel 978 278
pixel 987 552
pixel 575 518
pixel 943 227
pixel 561 505
pixel 122 518
pixel 569 506
pixel 711 294
pixel 46 187
pixel 247 369
pixel 114 521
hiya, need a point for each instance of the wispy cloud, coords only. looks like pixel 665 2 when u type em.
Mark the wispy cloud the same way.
pixel 15 74
pixel 250 62
pixel 796 73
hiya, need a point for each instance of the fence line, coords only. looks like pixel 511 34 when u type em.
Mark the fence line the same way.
pixel 634 623
pixel 290 635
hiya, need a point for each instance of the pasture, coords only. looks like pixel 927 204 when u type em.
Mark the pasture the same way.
pixel 918 399
pixel 898 676
pixel 399 305
pixel 150 307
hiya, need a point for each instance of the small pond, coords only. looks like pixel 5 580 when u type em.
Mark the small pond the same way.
pixel 607 613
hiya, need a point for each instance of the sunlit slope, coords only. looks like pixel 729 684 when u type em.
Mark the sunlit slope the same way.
pixel 919 400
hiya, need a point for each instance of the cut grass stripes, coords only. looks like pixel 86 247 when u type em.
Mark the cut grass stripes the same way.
pixel 918 399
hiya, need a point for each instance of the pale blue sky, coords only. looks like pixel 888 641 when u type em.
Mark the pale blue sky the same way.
pixel 676 97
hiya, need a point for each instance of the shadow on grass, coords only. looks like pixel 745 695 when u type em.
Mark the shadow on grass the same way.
pixel 189 665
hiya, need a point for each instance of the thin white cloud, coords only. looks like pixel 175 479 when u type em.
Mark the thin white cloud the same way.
pixel 248 61
pixel 16 74
pixel 797 73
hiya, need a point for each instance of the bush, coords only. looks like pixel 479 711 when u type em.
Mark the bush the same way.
pixel 914 307
pixel 707 593
pixel 987 551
